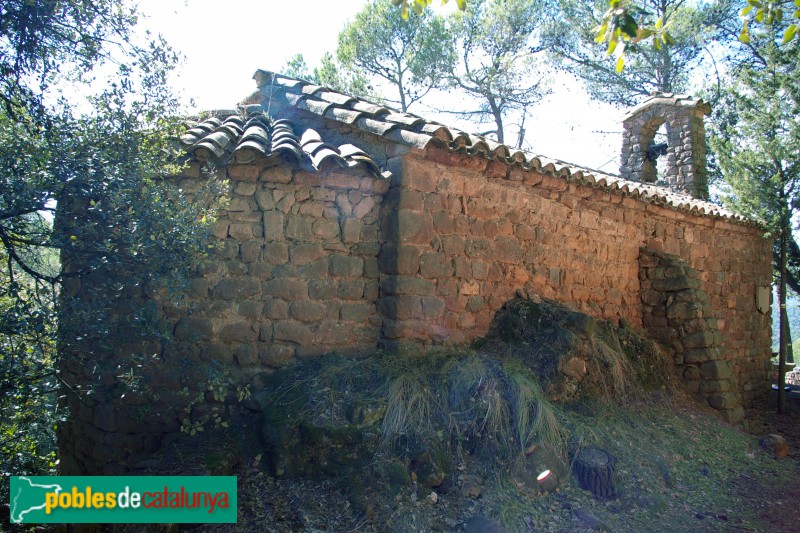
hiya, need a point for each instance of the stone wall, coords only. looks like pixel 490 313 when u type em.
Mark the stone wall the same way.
pixel 677 312
pixel 295 274
pixel 340 260
pixel 298 272
pixel 485 230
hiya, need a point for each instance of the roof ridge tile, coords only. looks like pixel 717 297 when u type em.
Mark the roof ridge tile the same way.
pixel 421 133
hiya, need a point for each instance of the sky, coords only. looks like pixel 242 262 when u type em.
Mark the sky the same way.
pixel 224 43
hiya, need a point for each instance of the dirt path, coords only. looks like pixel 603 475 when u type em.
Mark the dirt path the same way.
pixel 777 506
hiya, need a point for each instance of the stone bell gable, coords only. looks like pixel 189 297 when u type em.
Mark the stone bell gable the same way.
pixel 353 227
pixel 685 149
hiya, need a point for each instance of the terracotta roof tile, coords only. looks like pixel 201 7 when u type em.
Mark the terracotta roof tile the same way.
pixel 375 126
pixel 405 119
pixel 348 116
pixel 318 107
pixel 417 140
pixel 233 137
pixel 295 98
pixel 336 98
pixel 437 131
pixel 308 88
pixel 369 108
pixel 418 132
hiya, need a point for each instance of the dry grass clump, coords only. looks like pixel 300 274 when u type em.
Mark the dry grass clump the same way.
pixel 623 363
pixel 411 405
pixel 536 420
pixel 465 400
pixel 545 334
pixel 470 400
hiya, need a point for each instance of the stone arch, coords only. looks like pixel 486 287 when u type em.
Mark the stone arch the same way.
pixel 647 139
pixel 686 144
pixel 676 311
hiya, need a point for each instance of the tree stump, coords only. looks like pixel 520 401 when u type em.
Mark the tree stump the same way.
pixel 594 470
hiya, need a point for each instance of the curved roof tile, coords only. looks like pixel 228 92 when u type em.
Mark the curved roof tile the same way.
pixel 369 108
pixel 232 136
pixel 418 132
pixel 348 116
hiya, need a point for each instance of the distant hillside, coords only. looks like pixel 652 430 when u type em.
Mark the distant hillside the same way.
pixel 793 309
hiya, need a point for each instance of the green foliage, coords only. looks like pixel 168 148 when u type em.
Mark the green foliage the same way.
pixel 100 171
pixel 420 6
pixel 758 139
pixel 756 146
pixel 206 408
pixel 625 24
pixel 620 29
pixel 42 40
pixel 666 66
pixel 296 67
pixel 332 74
pixel 793 315
pixel 28 407
pixel 497 42
pixel 412 55
pixel 768 14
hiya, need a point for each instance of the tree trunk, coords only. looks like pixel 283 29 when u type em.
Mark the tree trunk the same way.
pixel 497 113
pixel 783 337
pixel 787 325
pixel 792 265
pixel 521 136
pixel 400 89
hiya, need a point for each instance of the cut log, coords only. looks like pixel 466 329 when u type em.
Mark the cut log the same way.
pixel 594 470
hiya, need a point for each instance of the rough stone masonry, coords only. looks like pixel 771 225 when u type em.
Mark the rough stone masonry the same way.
pixel 351 226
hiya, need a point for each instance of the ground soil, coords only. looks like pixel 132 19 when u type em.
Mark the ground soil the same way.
pixel 711 500
pixel 778 507
pixel 700 496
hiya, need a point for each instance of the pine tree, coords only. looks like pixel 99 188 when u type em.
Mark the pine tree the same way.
pixel 571 37
pixel 411 55
pixel 498 43
pixel 756 149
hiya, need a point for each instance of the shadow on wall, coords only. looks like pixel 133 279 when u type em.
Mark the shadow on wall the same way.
pixel 676 312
